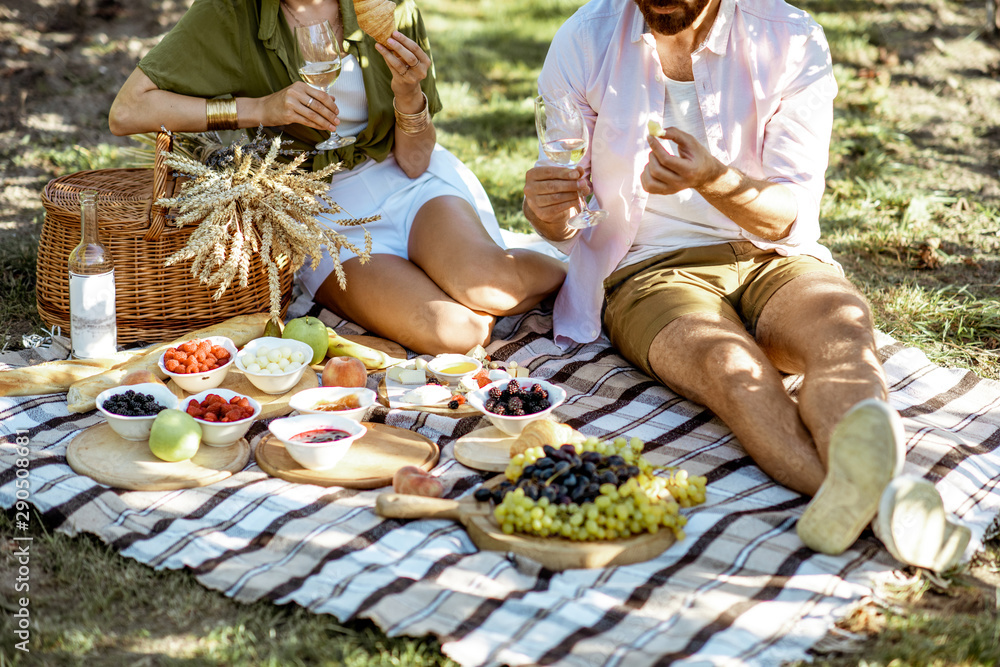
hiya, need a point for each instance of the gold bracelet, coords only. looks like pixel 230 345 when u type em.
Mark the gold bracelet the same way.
pixel 221 114
pixel 413 123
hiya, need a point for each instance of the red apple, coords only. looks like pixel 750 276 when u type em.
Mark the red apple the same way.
pixel 344 372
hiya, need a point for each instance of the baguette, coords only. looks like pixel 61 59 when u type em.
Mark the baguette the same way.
pixel 82 396
pixel 55 377
pixel 544 432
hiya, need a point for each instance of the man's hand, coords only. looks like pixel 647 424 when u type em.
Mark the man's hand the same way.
pixel 693 167
pixel 761 207
pixel 552 196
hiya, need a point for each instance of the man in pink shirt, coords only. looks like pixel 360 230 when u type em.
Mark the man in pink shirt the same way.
pixel 708 273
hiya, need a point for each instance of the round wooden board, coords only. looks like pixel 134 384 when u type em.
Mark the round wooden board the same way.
pixel 392 348
pixel 464 410
pixel 370 463
pixel 272 405
pixel 559 554
pixel 554 553
pixel 484 449
pixel 106 457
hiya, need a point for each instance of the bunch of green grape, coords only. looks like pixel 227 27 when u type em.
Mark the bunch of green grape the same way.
pixel 592 491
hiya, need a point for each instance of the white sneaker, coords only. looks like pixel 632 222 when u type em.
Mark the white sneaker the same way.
pixel 915 528
pixel 866 453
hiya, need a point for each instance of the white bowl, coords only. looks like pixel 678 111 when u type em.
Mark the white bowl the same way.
pixel 195 382
pixel 439 365
pixel 316 455
pixel 278 383
pixel 135 428
pixel 514 425
pixel 223 434
pixel 306 401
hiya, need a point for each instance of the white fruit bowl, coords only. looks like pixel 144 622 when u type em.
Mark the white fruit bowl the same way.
pixel 316 455
pixel 135 428
pixel 195 382
pixel 277 383
pixel 309 402
pixel 223 434
pixel 513 425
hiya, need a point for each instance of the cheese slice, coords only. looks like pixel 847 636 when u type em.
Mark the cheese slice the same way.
pixel 412 377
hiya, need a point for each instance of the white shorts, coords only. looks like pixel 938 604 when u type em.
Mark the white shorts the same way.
pixel 382 188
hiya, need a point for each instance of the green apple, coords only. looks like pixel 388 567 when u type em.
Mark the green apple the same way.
pixel 175 436
pixel 312 332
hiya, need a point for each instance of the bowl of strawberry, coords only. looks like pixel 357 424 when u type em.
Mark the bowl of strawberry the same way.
pixel 224 415
pixel 197 365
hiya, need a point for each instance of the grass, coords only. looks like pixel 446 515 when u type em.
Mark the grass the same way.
pixel 91 606
pixel 909 212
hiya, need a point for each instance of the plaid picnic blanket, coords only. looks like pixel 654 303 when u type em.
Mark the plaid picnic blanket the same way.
pixel 740 589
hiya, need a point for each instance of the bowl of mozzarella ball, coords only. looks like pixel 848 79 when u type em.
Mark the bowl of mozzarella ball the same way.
pixel 274 365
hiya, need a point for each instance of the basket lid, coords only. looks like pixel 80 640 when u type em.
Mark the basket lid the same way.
pixel 117 186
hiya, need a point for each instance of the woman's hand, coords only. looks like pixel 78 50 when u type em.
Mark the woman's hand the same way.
pixel 302 104
pixel 409 66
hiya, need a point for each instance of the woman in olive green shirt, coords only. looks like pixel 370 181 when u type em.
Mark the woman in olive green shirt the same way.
pixel 438 276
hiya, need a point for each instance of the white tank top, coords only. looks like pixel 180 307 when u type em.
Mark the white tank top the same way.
pixel 349 92
pixel 684 219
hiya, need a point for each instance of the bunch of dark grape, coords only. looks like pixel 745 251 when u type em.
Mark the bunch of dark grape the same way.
pixel 513 401
pixel 591 491
pixel 131 403
pixel 565 476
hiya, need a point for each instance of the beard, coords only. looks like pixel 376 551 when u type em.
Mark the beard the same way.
pixel 671 24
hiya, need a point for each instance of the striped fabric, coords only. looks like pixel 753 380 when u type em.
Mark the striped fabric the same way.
pixel 740 589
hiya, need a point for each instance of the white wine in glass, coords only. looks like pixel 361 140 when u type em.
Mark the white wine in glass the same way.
pixel 562 132
pixel 320 60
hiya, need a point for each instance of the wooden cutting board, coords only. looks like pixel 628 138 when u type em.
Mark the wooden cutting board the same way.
pixel 484 449
pixel 272 405
pixel 392 348
pixel 370 463
pixel 105 457
pixel 555 553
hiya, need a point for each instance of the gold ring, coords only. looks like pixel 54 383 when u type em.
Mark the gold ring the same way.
pixel 309 103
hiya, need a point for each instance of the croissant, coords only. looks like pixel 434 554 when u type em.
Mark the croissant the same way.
pixel 544 432
pixel 376 18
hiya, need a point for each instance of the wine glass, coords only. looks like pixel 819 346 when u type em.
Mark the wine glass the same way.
pixel 319 66
pixel 562 133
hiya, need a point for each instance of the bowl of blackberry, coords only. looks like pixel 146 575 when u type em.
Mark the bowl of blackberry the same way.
pixel 131 409
pixel 511 406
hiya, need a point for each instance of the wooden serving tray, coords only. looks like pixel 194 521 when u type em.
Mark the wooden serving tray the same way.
pixel 464 410
pixel 555 553
pixel 370 463
pixel 484 449
pixel 272 405
pixel 106 457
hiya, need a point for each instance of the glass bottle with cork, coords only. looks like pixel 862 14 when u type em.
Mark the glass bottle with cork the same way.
pixel 93 328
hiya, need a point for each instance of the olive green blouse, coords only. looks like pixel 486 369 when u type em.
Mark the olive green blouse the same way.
pixel 245 48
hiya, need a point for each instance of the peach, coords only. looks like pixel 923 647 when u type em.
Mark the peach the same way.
pixel 414 481
pixel 344 372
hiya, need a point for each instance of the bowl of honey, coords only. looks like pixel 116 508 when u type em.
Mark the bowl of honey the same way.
pixel 317 442
pixel 452 368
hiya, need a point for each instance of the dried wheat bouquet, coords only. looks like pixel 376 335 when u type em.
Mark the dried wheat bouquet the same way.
pixel 244 200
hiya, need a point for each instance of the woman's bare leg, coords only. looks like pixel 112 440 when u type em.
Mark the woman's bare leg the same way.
pixel 449 243
pixel 394 298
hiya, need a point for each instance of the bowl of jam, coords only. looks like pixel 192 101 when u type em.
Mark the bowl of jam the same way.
pixel 317 442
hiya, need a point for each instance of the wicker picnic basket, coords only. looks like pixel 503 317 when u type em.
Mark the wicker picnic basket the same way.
pixel 154 302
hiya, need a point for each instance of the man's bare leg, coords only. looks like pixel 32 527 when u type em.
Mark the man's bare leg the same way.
pixel 715 362
pixel 820 326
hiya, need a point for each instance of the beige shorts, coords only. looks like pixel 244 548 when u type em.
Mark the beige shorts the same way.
pixel 732 280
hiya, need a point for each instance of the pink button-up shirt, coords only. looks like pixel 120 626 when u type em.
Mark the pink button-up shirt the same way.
pixel 765 88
